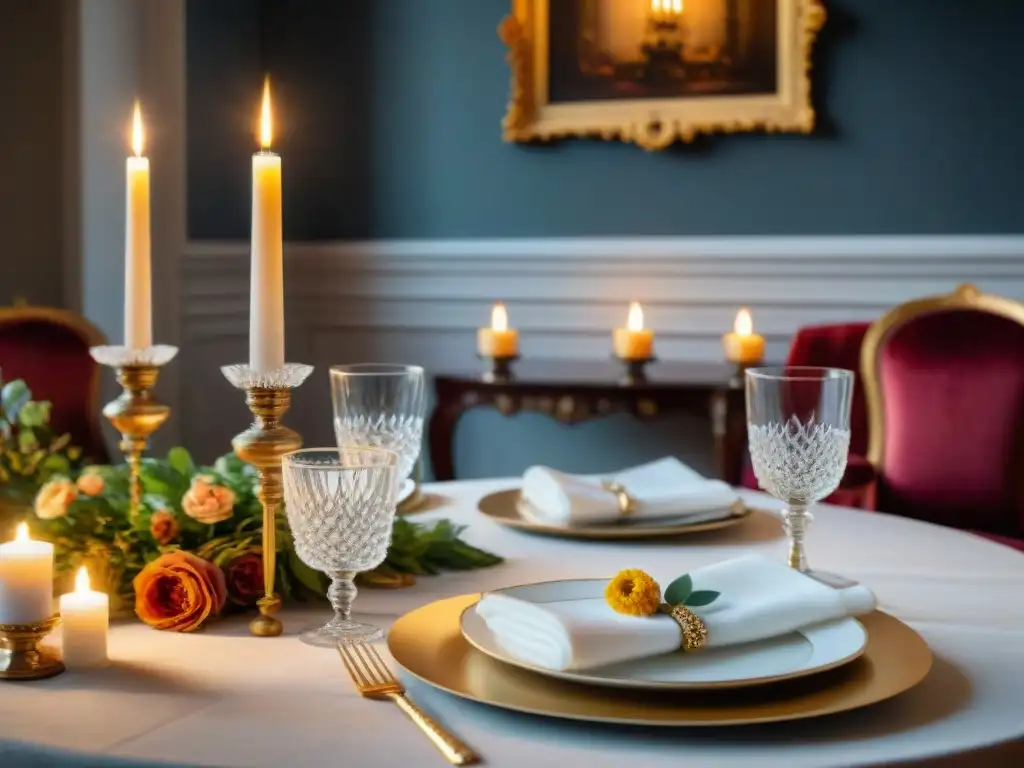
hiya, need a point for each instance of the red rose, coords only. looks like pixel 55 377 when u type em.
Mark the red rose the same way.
pixel 245 579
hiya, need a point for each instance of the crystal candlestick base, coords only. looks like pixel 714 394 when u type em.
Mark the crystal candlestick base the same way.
pixel 136 414
pixel 268 395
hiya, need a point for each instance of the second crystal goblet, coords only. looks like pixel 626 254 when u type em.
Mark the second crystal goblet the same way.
pixel 798 428
pixel 341 506
pixel 380 404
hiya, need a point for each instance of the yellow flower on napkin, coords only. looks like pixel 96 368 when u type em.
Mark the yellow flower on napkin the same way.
pixel 634 593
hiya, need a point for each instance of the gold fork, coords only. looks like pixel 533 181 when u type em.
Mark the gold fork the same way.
pixel 374 681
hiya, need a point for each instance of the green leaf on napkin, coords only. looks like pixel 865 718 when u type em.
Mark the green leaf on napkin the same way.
pixel 700 597
pixel 679 590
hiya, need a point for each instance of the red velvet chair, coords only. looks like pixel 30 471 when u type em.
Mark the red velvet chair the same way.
pixel 837 346
pixel 49 349
pixel 944 380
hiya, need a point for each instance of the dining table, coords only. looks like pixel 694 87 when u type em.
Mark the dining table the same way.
pixel 221 697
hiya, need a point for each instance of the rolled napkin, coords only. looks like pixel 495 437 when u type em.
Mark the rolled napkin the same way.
pixel 662 489
pixel 760 598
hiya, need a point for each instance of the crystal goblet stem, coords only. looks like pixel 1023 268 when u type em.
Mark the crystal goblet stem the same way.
pixel 795 519
pixel 342 593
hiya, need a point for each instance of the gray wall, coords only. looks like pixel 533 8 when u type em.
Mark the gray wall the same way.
pixel 31 160
pixel 391 128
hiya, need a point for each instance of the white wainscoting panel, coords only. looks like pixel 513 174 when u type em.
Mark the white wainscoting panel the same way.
pixel 421 301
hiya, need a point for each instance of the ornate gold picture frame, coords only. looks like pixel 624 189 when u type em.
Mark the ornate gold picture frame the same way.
pixel 654 72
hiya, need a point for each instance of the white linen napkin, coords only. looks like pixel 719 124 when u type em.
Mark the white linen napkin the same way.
pixel 760 598
pixel 662 489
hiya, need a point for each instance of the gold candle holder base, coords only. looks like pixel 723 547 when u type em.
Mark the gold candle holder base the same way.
pixel 635 369
pixel 268 395
pixel 21 658
pixel 135 413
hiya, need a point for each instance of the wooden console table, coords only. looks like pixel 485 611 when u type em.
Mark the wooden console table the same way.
pixel 572 392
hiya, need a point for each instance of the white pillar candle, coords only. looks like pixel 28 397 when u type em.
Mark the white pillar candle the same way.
pixel 84 618
pixel 266 297
pixel 138 313
pixel 26 579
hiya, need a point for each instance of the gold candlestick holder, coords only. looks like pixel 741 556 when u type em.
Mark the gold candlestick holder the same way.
pixel 135 413
pixel 21 658
pixel 268 395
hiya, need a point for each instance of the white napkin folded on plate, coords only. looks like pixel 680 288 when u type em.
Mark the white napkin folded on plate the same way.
pixel 662 489
pixel 760 598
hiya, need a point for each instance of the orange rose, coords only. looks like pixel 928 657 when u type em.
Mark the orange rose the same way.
pixel 179 591
pixel 208 502
pixel 90 484
pixel 163 527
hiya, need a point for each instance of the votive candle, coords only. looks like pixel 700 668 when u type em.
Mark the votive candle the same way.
pixel 634 342
pixel 85 620
pixel 743 346
pixel 499 340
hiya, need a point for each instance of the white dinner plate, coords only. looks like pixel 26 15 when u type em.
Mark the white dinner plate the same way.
pixel 798 654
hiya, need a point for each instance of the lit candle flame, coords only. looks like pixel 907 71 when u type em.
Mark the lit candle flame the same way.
pixel 82 580
pixel 266 124
pixel 499 317
pixel 667 6
pixel 744 324
pixel 138 135
pixel 22 533
pixel 635 320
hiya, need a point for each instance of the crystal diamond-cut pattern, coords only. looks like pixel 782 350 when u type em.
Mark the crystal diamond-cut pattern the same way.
pixel 797 462
pixel 399 432
pixel 289 376
pixel 124 357
pixel 340 507
pixel 340 516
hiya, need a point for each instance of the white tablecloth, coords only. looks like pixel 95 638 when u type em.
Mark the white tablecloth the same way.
pixel 223 698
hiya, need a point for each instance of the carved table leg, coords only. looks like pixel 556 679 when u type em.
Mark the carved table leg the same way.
pixel 442 438
pixel 729 426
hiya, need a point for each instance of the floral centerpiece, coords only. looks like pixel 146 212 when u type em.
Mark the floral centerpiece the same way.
pixel 193 549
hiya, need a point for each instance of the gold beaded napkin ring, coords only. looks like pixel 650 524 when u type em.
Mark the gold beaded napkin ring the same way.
pixel 627 504
pixel 634 593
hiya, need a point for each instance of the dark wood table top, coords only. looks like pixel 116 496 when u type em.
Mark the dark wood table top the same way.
pixel 603 373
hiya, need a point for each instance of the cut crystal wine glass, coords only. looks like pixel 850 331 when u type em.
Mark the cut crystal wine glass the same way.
pixel 380 404
pixel 340 506
pixel 798 427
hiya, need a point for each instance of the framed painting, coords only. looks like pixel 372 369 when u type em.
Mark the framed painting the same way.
pixel 654 72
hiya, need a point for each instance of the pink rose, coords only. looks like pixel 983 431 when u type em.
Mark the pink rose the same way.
pixel 208 502
pixel 90 484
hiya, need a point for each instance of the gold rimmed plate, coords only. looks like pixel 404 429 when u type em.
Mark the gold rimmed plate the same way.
pixel 429 645
pixel 809 651
pixel 505 508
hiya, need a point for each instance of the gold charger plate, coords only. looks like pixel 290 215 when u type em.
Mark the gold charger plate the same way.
pixel 503 508
pixel 428 643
